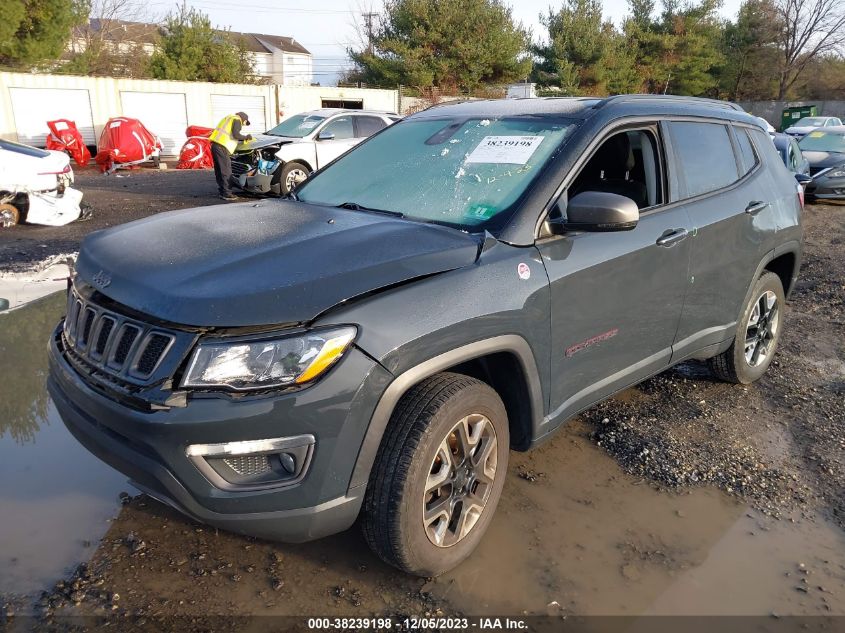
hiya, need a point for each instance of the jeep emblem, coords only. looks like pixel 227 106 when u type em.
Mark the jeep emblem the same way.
pixel 102 279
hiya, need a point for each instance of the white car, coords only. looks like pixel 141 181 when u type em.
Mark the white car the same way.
pixel 766 125
pixel 35 186
pixel 277 161
pixel 806 125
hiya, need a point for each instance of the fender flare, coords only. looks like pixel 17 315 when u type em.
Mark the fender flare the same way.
pixel 793 247
pixel 511 343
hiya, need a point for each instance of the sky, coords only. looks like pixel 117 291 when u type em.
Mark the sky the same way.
pixel 327 27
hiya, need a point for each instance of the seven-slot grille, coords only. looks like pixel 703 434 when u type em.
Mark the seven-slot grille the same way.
pixel 112 342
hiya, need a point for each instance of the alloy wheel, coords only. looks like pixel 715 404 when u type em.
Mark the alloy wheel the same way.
pixel 762 328
pixel 460 480
pixel 294 177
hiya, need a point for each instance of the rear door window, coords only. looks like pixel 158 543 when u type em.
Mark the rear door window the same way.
pixel 704 156
pixel 368 125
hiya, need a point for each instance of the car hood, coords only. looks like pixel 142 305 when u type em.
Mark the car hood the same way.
pixel 275 262
pixel 795 129
pixel 822 160
pixel 264 140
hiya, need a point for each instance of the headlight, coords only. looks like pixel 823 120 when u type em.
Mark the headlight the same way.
pixel 839 172
pixel 247 365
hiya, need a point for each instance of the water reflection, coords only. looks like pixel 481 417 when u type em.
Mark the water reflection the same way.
pixel 55 497
pixel 23 367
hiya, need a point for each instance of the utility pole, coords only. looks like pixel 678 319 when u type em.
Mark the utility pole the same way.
pixel 666 87
pixel 368 21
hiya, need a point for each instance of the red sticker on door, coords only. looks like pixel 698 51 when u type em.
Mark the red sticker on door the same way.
pixel 523 271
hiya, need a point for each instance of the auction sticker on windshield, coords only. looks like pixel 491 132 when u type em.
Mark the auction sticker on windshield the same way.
pixel 514 150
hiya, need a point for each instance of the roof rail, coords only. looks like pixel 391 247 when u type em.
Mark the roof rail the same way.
pixel 726 105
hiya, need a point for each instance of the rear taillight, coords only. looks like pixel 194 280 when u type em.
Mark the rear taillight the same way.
pixel 66 170
pixel 801 195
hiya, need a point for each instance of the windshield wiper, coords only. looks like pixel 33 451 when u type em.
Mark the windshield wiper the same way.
pixel 354 206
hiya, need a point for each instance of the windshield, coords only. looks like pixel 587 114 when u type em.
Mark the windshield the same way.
pixel 297 126
pixel 819 141
pixel 465 173
pixel 810 121
pixel 23 149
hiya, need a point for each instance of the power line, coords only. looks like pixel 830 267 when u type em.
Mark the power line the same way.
pixel 225 6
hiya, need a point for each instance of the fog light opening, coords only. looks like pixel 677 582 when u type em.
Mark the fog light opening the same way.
pixel 253 464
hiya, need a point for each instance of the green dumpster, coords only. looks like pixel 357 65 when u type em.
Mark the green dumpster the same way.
pixel 790 116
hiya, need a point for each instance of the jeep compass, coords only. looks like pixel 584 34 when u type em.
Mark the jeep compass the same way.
pixel 456 287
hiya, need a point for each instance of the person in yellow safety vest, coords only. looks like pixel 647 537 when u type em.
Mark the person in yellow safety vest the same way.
pixel 224 139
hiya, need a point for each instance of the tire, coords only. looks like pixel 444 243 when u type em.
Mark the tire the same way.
pixel 290 172
pixel 741 364
pixel 425 424
pixel 9 216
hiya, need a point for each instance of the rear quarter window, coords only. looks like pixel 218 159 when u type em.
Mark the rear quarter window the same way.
pixel 746 150
pixel 704 155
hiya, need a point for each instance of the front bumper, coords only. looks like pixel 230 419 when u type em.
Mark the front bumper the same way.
pixel 824 187
pixel 150 447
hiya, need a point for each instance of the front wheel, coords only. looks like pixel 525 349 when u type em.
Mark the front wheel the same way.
pixel 9 215
pixel 438 475
pixel 293 173
pixel 757 334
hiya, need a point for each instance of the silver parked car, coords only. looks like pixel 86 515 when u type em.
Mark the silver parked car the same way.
pixel 806 125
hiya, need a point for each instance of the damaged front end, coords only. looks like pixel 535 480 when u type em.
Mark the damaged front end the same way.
pixel 50 207
pixel 255 167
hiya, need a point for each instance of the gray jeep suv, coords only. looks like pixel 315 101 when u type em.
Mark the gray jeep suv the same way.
pixel 457 286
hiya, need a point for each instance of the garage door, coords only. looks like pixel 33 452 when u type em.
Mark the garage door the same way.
pixel 162 113
pixel 33 107
pixel 221 105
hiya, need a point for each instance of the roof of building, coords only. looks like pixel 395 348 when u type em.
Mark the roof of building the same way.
pixel 140 32
pixel 146 33
pixel 262 43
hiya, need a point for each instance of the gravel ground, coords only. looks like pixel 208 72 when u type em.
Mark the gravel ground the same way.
pixel 778 443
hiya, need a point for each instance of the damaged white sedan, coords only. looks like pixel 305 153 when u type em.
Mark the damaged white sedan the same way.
pixel 35 186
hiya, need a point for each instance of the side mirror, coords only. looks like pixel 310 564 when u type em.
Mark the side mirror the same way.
pixel 599 211
pixel 803 179
pixel 325 136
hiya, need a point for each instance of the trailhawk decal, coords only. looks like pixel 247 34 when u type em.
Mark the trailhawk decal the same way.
pixel 571 351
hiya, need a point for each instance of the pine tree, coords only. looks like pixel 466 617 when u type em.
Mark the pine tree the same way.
pixel 448 44
pixel 33 31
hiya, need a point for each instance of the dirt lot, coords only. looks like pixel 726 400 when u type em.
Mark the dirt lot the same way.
pixel 682 496
pixel 122 197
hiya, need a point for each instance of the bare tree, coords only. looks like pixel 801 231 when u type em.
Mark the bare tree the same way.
pixel 117 39
pixel 809 29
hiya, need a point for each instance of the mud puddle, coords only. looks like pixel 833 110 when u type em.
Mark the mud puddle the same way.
pixel 574 535
pixel 55 498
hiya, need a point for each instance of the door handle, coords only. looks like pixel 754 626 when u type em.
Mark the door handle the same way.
pixel 672 237
pixel 755 206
